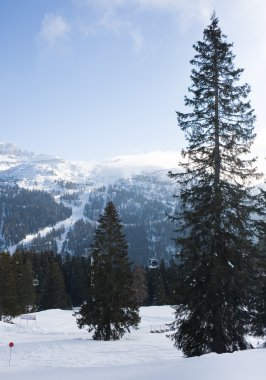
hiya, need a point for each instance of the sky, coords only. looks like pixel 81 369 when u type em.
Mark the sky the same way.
pixel 92 79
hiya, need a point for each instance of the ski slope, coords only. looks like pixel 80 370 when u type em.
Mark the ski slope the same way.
pixel 55 349
pixel 77 214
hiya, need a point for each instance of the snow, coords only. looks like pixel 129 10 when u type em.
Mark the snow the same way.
pixel 11 155
pixel 56 349
pixel 34 171
pixel 77 214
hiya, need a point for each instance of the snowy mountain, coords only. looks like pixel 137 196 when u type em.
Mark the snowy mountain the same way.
pixel 42 171
pixel 138 185
pixel 11 155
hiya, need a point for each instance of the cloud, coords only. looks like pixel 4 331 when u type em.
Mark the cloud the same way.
pixel 54 28
pixel 185 11
pixel 117 15
pixel 137 38
pixel 195 7
pixel 111 21
pixel 162 4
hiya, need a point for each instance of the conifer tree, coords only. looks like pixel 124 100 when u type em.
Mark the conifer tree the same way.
pixel 55 295
pixel 172 279
pixel 24 279
pixel 9 303
pixel 52 293
pixel 152 280
pixel 140 285
pixel 215 223
pixel 258 293
pixel 76 276
pixel 111 308
pixel 160 297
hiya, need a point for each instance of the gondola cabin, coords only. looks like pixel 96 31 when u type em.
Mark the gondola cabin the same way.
pixel 35 282
pixel 153 263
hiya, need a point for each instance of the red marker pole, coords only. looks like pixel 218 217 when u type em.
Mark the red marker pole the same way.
pixel 11 344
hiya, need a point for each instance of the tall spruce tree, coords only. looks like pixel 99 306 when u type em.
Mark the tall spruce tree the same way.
pixel 111 308
pixel 258 294
pixel 215 223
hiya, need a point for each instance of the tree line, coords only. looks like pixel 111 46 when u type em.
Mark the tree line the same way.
pixel 63 282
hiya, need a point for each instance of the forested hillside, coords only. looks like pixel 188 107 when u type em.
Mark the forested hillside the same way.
pixel 75 193
pixel 24 212
pixel 144 204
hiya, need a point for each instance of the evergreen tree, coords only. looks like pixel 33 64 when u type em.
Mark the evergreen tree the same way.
pixel 215 223
pixel 140 285
pixel 171 282
pixel 111 308
pixel 76 275
pixel 152 279
pixel 258 289
pixel 160 297
pixel 258 295
pixel 55 296
pixel 24 279
pixel 51 290
pixel 9 303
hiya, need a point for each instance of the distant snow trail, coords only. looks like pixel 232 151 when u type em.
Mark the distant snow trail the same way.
pixel 77 213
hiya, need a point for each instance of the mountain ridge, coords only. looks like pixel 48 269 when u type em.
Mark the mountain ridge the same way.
pixel 27 168
pixel 138 184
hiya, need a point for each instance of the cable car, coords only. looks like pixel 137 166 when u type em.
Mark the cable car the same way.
pixel 35 282
pixel 153 263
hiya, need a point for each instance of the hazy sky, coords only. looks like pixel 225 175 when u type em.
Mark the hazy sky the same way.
pixel 90 79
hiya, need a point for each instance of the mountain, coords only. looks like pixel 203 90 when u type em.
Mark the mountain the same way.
pixel 23 212
pixel 11 155
pixel 137 184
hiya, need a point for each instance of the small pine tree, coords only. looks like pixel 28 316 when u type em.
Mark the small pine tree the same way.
pixel 111 308
pixel 216 225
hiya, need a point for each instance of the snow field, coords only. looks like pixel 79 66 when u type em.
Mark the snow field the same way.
pixel 56 349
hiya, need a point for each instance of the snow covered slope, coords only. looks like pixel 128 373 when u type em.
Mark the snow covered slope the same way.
pixel 11 155
pixel 56 349
pixel 41 171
